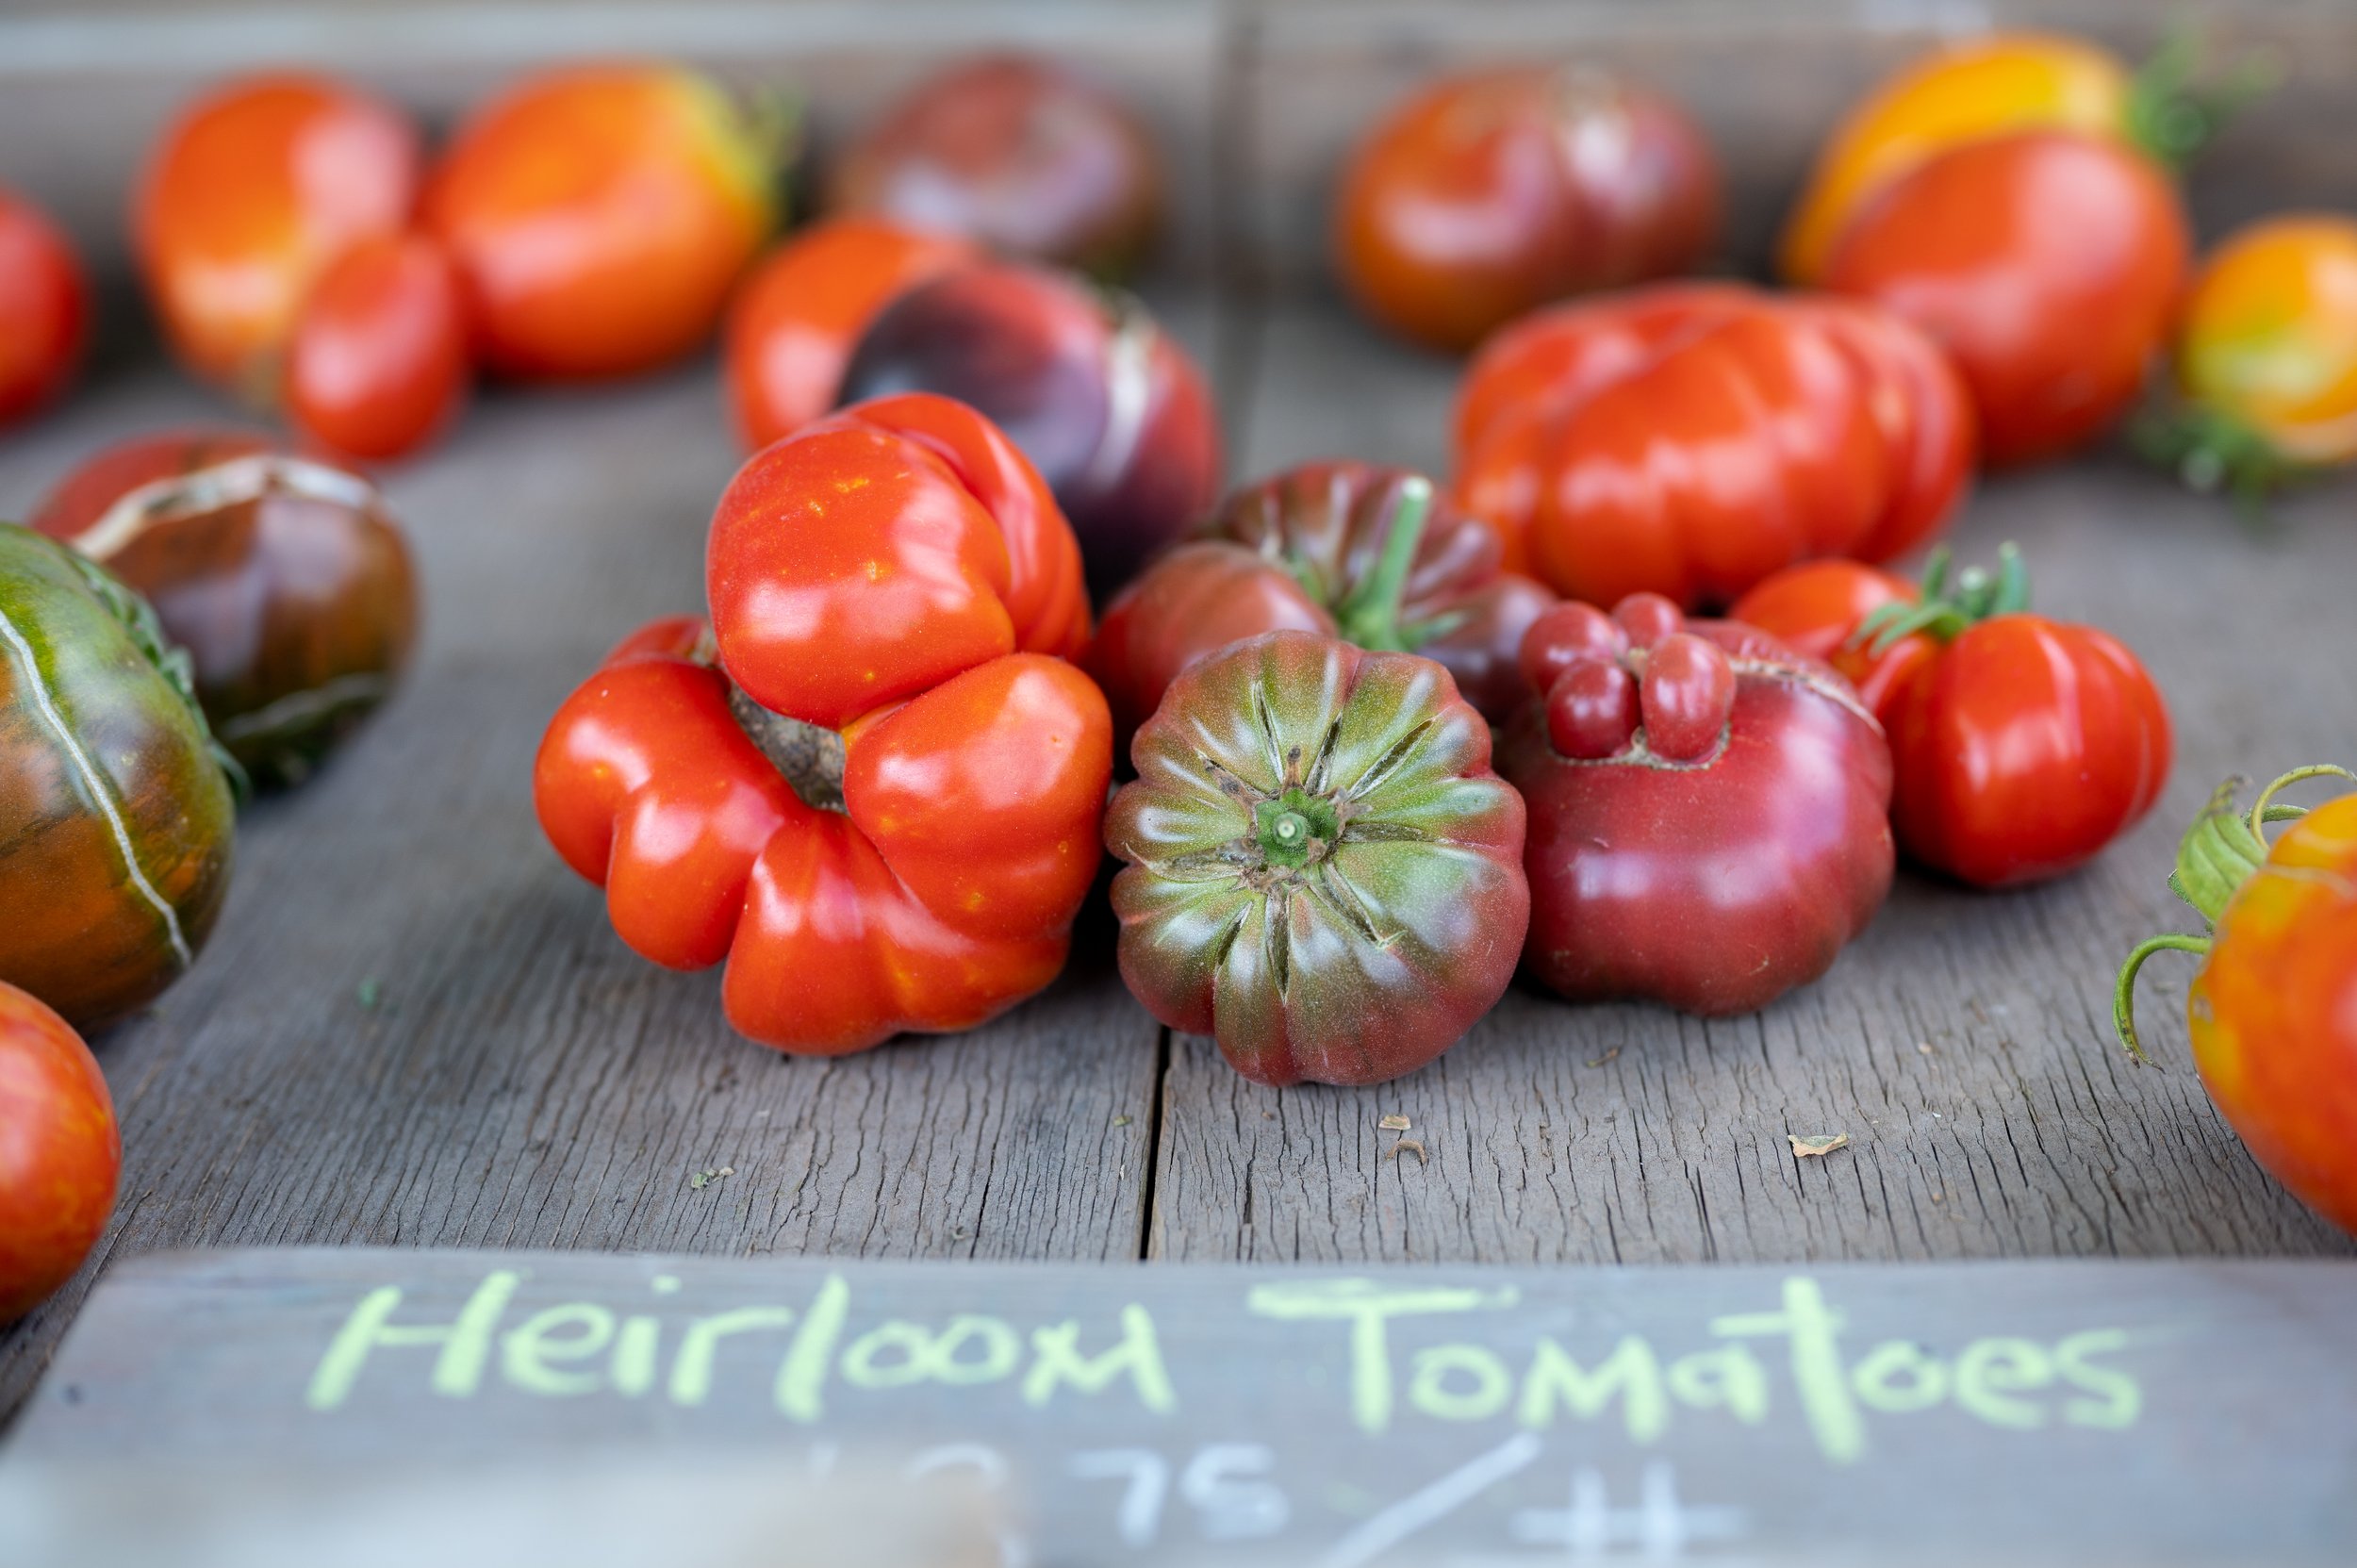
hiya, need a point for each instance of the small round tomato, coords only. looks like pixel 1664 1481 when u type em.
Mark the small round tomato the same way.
pixel 2273 1012
pixel 1490 194
pixel 792 327
pixel 2047 264
pixel 44 309
pixel 1816 608
pixel 379 366
pixel 1023 154
pixel 248 197
pixel 599 217
pixel 61 1153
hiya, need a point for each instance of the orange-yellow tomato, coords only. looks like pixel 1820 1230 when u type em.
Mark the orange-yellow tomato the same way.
pixel 2268 337
pixel 1966 92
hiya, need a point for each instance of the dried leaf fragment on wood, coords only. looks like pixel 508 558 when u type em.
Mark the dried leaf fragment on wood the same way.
pixel 1121 1121
pixel 1393 1123
pixel 1600 1061
pixel 370 992
pixel 704 1179
pixel 1819 1143
pixel 1422 1158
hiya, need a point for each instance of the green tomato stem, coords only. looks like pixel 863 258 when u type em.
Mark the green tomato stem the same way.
pixel 2124 989
pixel 1371 617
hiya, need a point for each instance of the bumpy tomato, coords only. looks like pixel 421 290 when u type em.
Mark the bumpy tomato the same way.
pixel 60 1154
pixel 599 215
pixel 2273 1012
pixel 1689 439
pixel 1321 869
pixel 379 363
pixel 875 785
pixel 2046 263
pixel 44 309
pixel 791 329
pixel 1486 196
pixel 248 197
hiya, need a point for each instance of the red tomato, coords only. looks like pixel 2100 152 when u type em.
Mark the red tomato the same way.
pixel 60 1152
pixel 791 330
pixel 44 309
pixel 600 216
pixel 378 365
pixel 1490 194
pixel 1689 441
pixel 248 197
pixel 2047 264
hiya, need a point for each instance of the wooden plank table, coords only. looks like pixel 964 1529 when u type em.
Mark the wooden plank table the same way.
pixel 521 1080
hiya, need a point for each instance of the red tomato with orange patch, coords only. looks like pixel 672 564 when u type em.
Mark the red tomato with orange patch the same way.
pixel 379 363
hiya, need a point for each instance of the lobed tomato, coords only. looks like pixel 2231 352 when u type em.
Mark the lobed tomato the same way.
pixel 379 366
pixel 60 1154
pixel 44 309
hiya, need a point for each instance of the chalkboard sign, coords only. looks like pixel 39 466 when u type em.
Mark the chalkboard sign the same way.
pixel 2058 1412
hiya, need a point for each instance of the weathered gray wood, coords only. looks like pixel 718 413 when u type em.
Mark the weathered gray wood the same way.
pixel 2019 1413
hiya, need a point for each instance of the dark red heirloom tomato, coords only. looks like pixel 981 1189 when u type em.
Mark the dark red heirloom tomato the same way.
pixel 599 215
pixel 1709 810
pixel 285 578
pixel 1488 195
pixel 44 309
pixel 60 1154
pixel 248 197
pixel 2023 746
pixel 1024 155
pixel 875 787
pixel 379 363
pixel 2047 264
pixel 1690 439
pixel 1104 403
pixel 795 320
pixel 1347 549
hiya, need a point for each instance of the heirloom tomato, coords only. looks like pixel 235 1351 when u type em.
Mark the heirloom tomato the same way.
pixel 60 1154
pixel 1023 154
pixel 116 821
pixel 1690 439
pixel 1347 549
pixel 1110 408
pixel 1709 810
pixel 1490 194
pixel 874 785
pixel 2023 745
pixel 379 363
pixel 2273 1011
pixel 1320 871
pixel 793 324
pixel 245 201
pixel 44 309
pixel 598 216
pixel 284 578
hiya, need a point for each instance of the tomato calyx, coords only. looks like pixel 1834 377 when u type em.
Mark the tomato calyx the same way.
pixel 170 660
pixel 1948 609
pixel 2219 852
pixel 1370 616
pixel 809 757
pixel 2175 108
pixel 2211 451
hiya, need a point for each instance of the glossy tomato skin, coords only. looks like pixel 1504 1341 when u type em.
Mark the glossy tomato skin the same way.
pixel 247 198
pixel 1321 869
pixel 44 309
pixel 61 1153
pixel 2047 264
pixel 285 578
pixel 1107 405
pixel 116 823
pixel 1721 875
pixel 2268 336
pixel 1815 610
pixel 1019 153
pixel 1486 196
pixel 1690 439
pixel 599 217
pixel 379 364
pixel 794 322
pixel 875 787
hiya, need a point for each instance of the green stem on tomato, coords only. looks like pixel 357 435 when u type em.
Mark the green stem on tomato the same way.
pixel 2124 989
pixel 1371 616
pixel 1946 613
pixel 2172 114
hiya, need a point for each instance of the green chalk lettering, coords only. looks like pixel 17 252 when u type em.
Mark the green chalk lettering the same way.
pixel 636 1349
pixel 1488 1384
pixel 1631 1373
pixel 1367 1306
pixel 1727 1378
pixel 1899 1376
pixel 466 1344
pixel 691 1373
pixel 802 1377
pixel 2122 1400
pixel 895 1354
pixel 1814 1333
pixel 1056 1360
pixel 1991 1369
pixel 572 1333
